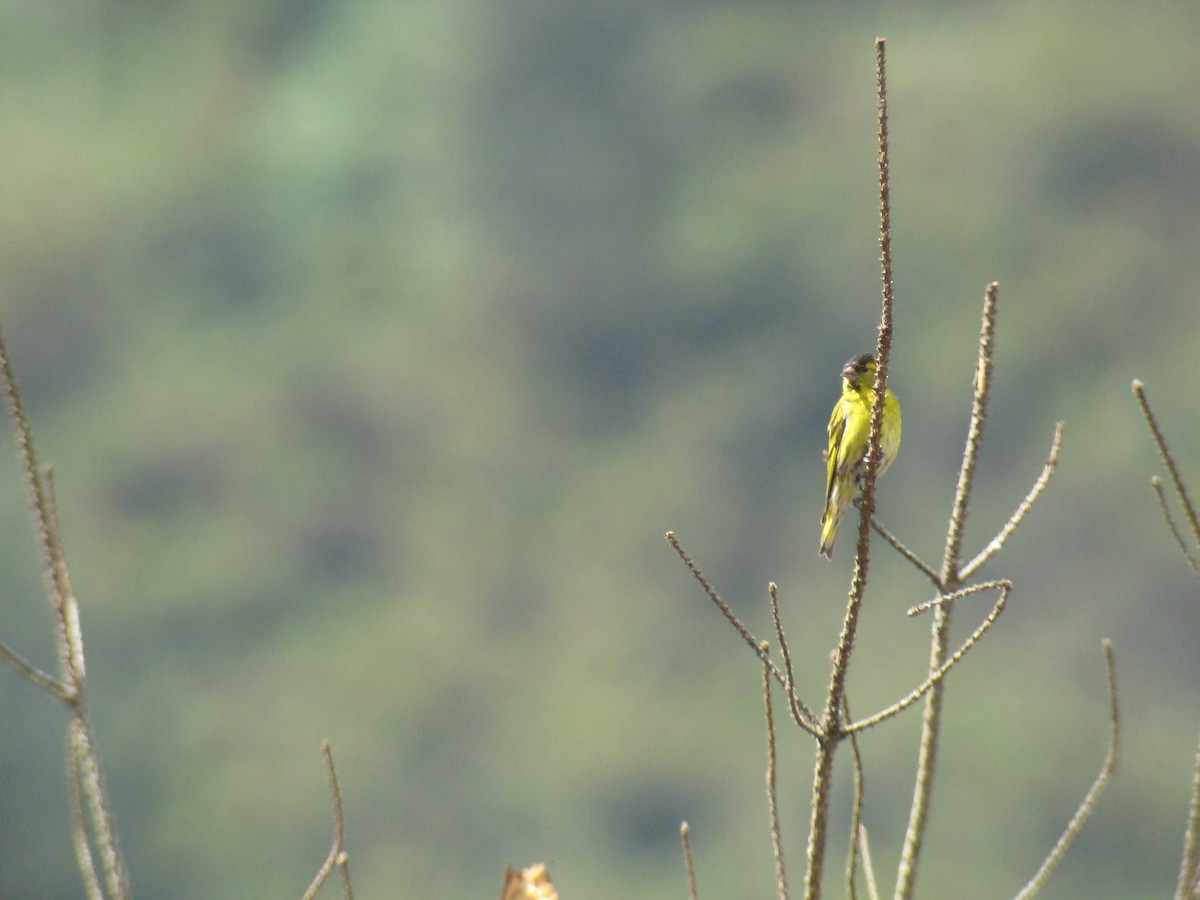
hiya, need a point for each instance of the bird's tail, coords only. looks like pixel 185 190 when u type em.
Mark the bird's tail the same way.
pixel 830 522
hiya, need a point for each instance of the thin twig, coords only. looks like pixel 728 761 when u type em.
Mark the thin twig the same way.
pixel 1097 789
pixel 921 565
pixel 868 865
pixel 66 605
pixel 1017 517
pixel 29 464
pixel 337 852
pixel 979 408
pixel 728 612
pixel 33 674
pixel 801 714
pixel 95 793
pixel 1156 484
pixel 938 674
pixel 685 838
pixel 1189 866
pixel 1139 391
pixel 80 838
pixel 772 787
pixel 856 826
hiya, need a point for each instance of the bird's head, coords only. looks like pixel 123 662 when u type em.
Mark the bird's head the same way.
pixel 860 371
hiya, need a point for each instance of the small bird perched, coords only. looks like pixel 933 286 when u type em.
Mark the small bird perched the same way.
pixel 849 435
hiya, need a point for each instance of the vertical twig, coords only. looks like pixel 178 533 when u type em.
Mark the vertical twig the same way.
pixel 95 793
pixel 856 826
pixel 979 409
pixel 1189 865
pixel 772 788
pixel 868 866
pixel 338 857
pixel 79 830
pixel 685 838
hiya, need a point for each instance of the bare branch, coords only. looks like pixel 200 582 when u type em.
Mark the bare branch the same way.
pixel 338 858
pixel 1094 793
pixel 1038 486
pixel 685 837
pixel 1139 391
pixel 772 787
pixel 938 674
pixel 801 714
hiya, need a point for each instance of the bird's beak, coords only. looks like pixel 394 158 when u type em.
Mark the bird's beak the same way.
pixel 848 371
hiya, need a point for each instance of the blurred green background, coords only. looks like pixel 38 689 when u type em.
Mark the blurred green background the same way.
pixel 377 344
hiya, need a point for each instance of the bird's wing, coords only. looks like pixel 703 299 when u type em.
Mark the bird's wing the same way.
pixel 837 427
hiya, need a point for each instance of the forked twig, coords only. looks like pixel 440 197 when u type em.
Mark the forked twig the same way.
pixel 938 674
pixel 338 857
pixel 1156 484
pixel 1094 793
pixel 1139 391
pixel 685 838
pixel 1017 517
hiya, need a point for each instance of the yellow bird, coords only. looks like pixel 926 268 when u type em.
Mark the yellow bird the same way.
pixel 849 434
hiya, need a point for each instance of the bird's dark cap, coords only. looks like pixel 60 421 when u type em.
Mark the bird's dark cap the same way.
pixel 857 366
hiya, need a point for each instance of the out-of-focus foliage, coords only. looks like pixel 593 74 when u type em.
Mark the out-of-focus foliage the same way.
pixel 375 346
